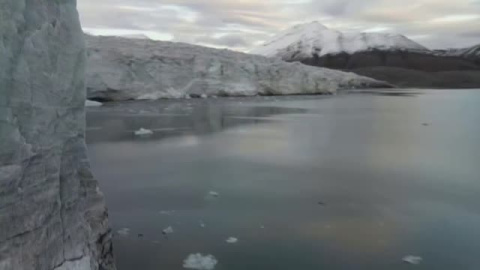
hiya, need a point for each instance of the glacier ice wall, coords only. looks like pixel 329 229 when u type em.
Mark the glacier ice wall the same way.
pixel 52 214
pixel 123 69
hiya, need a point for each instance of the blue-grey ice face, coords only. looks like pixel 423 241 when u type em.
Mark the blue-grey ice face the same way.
pixel 242 25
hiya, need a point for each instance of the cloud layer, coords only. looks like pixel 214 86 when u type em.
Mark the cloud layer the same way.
pixel 243 24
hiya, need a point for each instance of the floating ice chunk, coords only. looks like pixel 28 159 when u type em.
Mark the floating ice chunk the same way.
pixel 98 191
pixel 415 260
pixel 213 194
pixel 91 103
pixel 232 240
pixel 202 224
pixel 200 262
pixel 166 212
pixel 124 231
pixel 203 96
pixel 168 230
pixel 187 96
pixel 262 227
pixel 143 132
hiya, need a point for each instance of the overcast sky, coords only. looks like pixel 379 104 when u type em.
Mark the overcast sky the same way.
pixel 244 24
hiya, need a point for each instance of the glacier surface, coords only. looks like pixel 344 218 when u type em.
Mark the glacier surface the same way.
pixel 125 69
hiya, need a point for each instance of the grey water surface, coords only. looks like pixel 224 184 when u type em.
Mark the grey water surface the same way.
pixel 353 181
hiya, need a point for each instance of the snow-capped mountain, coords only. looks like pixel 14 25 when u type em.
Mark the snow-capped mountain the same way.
pixel 316 40
pixel 471 53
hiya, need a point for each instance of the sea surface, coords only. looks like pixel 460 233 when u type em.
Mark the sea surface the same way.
pixel 352 181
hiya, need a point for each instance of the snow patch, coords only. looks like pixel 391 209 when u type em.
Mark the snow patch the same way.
pixel 200 262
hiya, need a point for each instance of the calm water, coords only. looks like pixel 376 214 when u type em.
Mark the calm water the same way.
pixel 352 181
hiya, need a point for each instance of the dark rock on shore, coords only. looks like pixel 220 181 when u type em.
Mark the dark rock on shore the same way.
pixel 397 59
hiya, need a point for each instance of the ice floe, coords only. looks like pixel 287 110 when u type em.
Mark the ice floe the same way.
pixel 143 132
pixel 200 262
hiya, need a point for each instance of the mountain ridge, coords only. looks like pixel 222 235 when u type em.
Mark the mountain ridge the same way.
pixel 316 40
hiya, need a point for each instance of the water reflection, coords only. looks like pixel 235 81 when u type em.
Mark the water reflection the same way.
pixel 117 122
pixel 388 185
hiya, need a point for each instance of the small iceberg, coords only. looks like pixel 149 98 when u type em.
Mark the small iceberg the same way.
pixel 200 262
pixel 91 103
pixel 213 194
pixel 232 240
pixel 204 96
pixel 124 232
pixel 168 231
pixel 415 260
pixel 166 212
pixel 143 132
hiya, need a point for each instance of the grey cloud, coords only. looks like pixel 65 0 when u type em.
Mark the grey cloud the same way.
pixel 244 23
pixel 471 34
pixel 233 41
pixel 337 8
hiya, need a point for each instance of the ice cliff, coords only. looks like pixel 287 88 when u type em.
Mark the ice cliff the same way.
pixel 122 69
pixel 52 214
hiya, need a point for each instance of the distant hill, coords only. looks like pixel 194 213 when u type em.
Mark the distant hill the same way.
pixel 470 53
pixel 315 40
pixel 377 55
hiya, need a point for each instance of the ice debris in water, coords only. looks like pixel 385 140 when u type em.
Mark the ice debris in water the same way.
pixel 124 231
pixel 412 259
pixel 200 262
pixel 166 212
pixel 213 194
pixel 203 96
pixel 232 240
pixel 202 224
pixel 91 103
pixel 168 230
pixel 143 132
